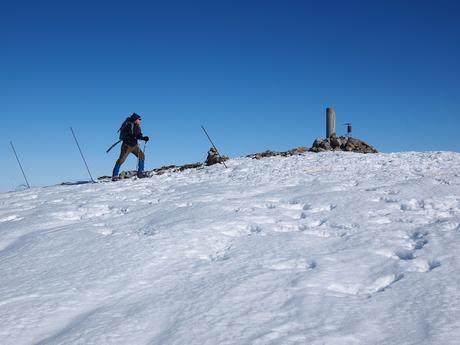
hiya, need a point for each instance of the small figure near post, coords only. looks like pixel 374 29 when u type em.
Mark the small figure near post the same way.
pixel 130 133
pixel 349 129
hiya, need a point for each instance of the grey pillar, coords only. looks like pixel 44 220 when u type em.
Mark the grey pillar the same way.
pixel 330 122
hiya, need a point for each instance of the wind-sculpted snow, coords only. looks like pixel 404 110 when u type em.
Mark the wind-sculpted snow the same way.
pixel 330 248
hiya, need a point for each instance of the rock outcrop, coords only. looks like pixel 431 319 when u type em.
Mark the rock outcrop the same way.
pixel 334 143
pixel 269 153
pixel 214 157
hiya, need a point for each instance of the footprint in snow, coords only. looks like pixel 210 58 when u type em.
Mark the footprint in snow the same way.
pixel 309 209
pixel 392 192
pixel 294 264
pixel 102 229
pixel 383 283
pixel 289 205
pixel 380 220
pixel 447 225
pixel 372 189
pixel 221 255
pixel 379 285
pixel 147 231
pixel 183 204
pixel 318 208
pixel 294 204
pixel 314 230
pixel 389 199
pixel 441 181
pixel 254 229
pixel 419 239
pixel 423 266
pixel 30 197
pixel 12 218
pixel 405 254
pixel 412 205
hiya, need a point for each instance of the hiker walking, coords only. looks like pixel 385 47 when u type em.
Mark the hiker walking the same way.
pixel 130 133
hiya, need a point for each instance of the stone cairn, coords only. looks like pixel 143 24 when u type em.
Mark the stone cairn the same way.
pixel 214 157
pixel 334 143
pixel 331 143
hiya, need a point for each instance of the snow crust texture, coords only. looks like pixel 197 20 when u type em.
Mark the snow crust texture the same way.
pixel 330 248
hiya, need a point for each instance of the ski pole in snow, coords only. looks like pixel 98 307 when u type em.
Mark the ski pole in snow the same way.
pixel 81 153
pixel 145 144
pixel 137 166
pixel 214 146
pixel 20 165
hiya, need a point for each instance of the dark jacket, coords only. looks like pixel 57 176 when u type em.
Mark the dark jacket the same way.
pixel 131 134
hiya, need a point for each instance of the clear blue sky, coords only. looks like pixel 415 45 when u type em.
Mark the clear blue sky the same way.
pixel 257 74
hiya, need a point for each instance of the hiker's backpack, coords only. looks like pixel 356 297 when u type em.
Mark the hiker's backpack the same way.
pixel 126 129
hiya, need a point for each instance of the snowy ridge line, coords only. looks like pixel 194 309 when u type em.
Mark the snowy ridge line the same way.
pixel 327 248
pixel 199 165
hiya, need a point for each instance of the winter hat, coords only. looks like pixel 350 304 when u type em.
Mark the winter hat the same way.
pixel 135 117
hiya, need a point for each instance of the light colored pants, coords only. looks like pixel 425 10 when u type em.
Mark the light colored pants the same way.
pixel 126 150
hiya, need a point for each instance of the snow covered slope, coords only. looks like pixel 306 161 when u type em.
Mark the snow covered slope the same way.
pixel 333 248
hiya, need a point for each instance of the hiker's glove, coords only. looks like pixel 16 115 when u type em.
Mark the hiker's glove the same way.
pixel 145 139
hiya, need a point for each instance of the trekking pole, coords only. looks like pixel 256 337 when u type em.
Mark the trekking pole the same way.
pixel 137 167
pixel 111 147
pixel 214 146
pixel 81 153
pixel 20 165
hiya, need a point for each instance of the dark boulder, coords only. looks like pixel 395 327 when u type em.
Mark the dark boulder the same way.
pixel 334 143
pixel 214 157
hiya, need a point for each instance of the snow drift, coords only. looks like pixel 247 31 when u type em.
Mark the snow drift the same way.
pixel 330 248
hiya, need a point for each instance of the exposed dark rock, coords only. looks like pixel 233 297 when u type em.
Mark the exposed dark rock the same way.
pixel 128 174
pixel 167 168
pixel 191 166
pixel 163 169
pixel 333 143
pixel 268 153
pixel 175 168
pixel 264 154
pixel 342 143
pixel 296 151
pixel 214 157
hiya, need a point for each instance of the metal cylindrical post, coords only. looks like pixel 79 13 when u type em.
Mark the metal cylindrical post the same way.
pixel 330 122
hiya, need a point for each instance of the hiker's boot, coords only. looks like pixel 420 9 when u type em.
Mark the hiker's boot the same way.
pixel 116 171
pixel 142 175
pixel 140 169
